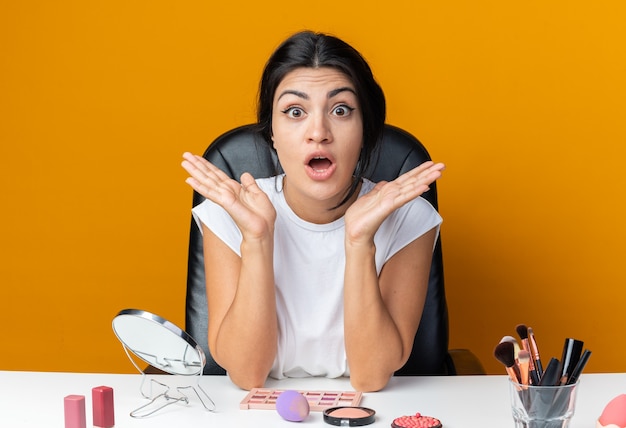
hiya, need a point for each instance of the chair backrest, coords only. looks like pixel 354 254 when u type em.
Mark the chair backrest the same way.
pixel 242 150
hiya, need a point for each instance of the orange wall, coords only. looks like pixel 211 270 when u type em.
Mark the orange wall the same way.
pixel 523 101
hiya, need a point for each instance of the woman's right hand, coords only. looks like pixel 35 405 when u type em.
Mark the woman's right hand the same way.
pixel 246 203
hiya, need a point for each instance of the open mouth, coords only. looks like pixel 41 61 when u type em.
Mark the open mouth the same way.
pixel 320 164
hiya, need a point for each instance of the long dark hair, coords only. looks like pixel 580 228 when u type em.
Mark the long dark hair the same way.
pixel 314 50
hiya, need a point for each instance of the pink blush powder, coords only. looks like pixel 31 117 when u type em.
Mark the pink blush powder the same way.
pixel 350 412
pixel 352 416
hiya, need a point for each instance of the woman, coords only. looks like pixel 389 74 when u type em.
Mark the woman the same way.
pixel 317 271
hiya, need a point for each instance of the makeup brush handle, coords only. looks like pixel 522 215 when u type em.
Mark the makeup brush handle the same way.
pixel 535 352
pixel 526 347
pixel 513 375
pixel 538 367
pixel 534 377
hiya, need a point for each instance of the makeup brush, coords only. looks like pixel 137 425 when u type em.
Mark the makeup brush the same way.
pixel 522 331
pixel 511 339
pixel 505 353
pixel 535 352
pixel 524 361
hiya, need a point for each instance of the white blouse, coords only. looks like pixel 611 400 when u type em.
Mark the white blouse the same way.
pixel 309 263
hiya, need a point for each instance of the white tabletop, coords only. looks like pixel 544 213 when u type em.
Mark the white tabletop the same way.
pixel 35 399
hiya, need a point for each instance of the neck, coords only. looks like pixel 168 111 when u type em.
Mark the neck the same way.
pixel 319 211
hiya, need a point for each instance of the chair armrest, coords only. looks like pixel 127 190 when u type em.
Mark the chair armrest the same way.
pixel 464 362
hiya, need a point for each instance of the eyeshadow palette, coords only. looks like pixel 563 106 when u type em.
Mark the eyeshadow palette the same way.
pixel 265 398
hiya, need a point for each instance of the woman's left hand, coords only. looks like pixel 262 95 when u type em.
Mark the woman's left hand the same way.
pixel 368 212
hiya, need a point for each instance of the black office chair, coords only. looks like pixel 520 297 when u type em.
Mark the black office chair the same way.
pixel 242 150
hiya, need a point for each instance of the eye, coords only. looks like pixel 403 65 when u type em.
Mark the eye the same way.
pixel 294 112
pixel 343 110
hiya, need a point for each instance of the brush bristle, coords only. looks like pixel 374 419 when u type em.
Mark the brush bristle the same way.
pixel 523 356
pixel 511 339
pixel 508 339
pixel 505 353
pixel 522 330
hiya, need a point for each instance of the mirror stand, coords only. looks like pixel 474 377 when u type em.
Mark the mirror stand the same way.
pixel 169 398
pixel 166 347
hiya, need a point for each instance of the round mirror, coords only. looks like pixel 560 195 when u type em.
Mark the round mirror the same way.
pixel 158 342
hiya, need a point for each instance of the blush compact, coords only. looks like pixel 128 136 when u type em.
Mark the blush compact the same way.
pixel 349 416
pixel 416 421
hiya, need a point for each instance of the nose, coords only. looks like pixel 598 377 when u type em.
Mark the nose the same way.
pixel 318 130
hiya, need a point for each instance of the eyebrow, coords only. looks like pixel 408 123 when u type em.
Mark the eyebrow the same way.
pixel 304 96
pixel 337 91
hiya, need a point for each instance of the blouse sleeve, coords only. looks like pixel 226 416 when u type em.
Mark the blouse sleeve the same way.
pixel 405 225
pixel 219 222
